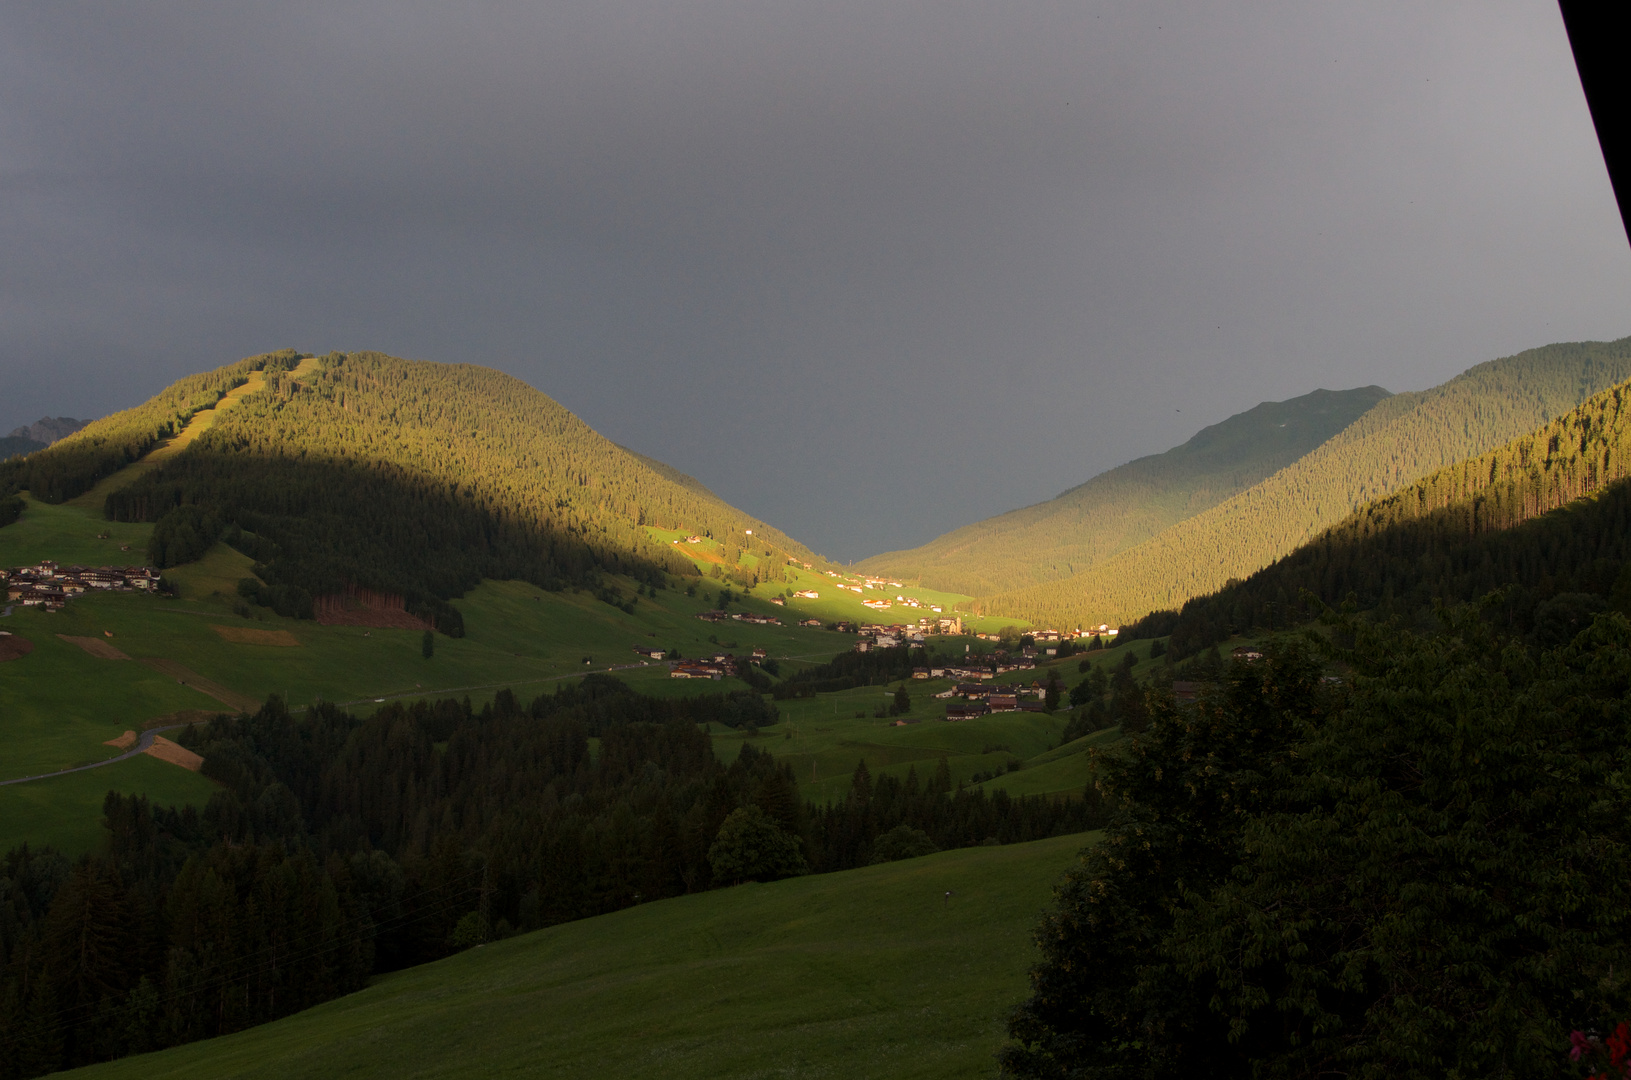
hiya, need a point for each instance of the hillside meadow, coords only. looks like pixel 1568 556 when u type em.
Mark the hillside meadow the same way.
pixel 900 970
pixel 60 705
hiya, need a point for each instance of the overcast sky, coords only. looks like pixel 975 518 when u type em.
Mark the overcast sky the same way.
pixel 870 270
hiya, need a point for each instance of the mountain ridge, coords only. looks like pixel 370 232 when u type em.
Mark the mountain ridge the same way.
pixel 1120 507
pixel 1400 440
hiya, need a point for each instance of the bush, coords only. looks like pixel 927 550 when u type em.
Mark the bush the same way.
pixel 748 709
pixel 901 842
pixel 752 847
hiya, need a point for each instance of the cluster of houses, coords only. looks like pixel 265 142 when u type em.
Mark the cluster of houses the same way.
pixel 50 586
pixel 714 667
pixel 969 700
pixel 741 616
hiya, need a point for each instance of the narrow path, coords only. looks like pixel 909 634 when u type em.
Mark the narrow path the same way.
pixel 141 747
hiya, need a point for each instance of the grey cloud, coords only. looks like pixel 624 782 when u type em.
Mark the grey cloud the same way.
pixel 872 270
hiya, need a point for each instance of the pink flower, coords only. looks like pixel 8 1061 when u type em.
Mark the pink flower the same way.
pixel 1579 1045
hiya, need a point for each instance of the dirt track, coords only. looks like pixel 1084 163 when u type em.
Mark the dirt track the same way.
pixel 96 647
pixel 165 750
pixel 187 677
pixel 244 635
pixel 13 647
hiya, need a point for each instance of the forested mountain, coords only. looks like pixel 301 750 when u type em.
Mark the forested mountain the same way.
pixel 1402 439
pixel 401 476
pixel 105 446
pixel 1130 503
pixel 1546 518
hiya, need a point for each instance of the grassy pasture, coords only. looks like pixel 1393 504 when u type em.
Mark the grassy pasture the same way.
pixel 870 972
pixel 66 811
pixel 59 705
pixel 69 535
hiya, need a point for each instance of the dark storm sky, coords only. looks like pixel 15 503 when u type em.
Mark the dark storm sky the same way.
pixel 870 270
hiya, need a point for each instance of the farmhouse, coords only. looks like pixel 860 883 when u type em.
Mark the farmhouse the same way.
pixel 966 710
pixel 700 669
pixel 654 654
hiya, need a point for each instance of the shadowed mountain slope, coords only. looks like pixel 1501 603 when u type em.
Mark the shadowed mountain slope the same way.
pixel 366 470
pixel 1130 503
pixel 1395 444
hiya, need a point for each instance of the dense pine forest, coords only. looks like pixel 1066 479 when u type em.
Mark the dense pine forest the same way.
pixel 1129 504
pixel 72 466
pixel 1544 522
pixel 1401 440
pixel 340 846
pixel 398 476
pixel 1410 871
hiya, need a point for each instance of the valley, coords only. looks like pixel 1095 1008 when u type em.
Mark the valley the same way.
pixel 420 675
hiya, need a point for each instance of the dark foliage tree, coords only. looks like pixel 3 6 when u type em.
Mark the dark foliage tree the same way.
pixel 1414 874
pixel 751 846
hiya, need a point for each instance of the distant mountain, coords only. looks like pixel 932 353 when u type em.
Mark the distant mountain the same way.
pixel 1400 440
pixel 1129 504
pixel 13 445
pixel 1545 518
pixel 415 478
pixel 47 430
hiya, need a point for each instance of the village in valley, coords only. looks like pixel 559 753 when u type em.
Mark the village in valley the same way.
pixel 48 586
pixel 976 684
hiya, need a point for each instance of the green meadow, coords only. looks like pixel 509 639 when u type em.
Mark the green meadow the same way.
pixel 901 970
pixel 66 811
pixel 59 705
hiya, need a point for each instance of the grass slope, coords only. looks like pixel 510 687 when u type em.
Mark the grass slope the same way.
pixel 1130 503
pixel 65 811
pixel 1396 443
pixel 871 972
pixel 59 704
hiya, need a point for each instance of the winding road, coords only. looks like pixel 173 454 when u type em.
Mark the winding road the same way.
pixel 141 746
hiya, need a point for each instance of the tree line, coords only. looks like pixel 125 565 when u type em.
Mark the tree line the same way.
pixel 341 846
pixel 73 465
